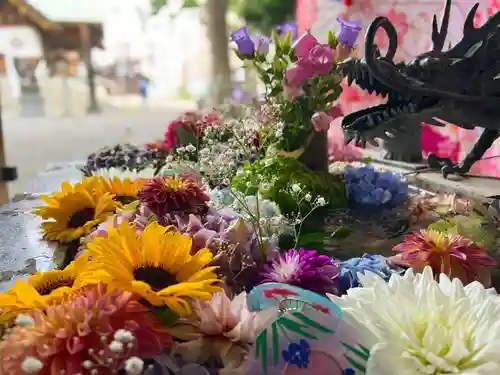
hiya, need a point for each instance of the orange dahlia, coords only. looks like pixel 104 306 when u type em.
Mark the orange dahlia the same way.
pixel 93 329
pixel 447 253
pixel 173 195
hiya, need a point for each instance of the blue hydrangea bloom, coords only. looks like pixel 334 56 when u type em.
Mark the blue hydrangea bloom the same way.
pixel 221 197
pixel 367 186
pixel 266 208
pixel 348 277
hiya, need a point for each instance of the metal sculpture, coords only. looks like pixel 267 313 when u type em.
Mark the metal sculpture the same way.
pixel 459 86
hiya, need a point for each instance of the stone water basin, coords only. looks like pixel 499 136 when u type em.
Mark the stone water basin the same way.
pixel 22 251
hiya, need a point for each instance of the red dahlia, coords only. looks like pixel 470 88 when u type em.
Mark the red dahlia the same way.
pixel 174 196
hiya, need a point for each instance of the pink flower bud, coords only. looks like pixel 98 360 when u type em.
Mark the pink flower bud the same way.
pixel 321 121
pixel 322 58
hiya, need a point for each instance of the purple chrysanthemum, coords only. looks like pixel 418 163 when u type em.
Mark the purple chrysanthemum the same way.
pixel 305 269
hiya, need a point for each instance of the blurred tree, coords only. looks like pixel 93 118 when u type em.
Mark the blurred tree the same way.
pixel 156 5
pixel 218 34
pixel 265 15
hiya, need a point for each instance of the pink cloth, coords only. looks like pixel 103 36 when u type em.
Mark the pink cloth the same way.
pixel 413 22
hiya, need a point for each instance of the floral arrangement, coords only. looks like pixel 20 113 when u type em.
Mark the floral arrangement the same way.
pixel 302 83
pixel 210 265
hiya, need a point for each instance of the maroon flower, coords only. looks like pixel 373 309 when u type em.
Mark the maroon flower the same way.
pixel 173 196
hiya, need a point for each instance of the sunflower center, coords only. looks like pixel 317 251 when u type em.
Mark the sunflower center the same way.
pixel 79 218
pixel 125 199
pixel 156 277
pixel 48 287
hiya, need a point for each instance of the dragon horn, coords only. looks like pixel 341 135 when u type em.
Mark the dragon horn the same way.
pixel 438 37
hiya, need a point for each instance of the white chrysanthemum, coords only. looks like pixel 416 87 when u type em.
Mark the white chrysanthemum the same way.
pixel 415 325
pixel 123 174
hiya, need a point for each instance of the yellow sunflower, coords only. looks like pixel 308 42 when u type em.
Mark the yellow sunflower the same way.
pixel 38 291
pixel 156 264
pixel 125 190
pixel 73 212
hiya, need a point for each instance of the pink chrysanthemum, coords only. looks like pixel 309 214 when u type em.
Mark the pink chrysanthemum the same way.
pixel 305 269
pixel 451 254
pixel 91 330
pixel 173 196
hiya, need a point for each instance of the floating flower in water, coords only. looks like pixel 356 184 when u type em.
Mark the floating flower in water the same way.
pixel 73 212
pixel 93 329
pixel 446 253
pixel 38 291
pixel 173 196
pixel 352 268
pixel 414 324
pixel 156 264
pixel 221 330
pixel 367 186
pixel 303 268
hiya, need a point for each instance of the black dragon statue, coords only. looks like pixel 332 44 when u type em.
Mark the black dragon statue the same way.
pixel 459 86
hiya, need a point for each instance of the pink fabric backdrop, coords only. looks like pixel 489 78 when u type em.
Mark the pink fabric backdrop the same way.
pixel 413 21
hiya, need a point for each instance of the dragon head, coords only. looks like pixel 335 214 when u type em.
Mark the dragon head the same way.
pixel 458 85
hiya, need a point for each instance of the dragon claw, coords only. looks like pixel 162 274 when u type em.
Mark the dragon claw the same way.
pixel 446 166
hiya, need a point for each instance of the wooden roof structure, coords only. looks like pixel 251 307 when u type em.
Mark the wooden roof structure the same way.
pixel 59 30
pixel 62 28
pixel 32 14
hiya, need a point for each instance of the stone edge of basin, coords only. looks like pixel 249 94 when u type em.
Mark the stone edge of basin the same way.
pixel 472 186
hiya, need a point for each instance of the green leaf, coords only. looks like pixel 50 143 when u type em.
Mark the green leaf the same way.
pixel 311 240
pixel 332 40
pixel 265 78
pixel 331 97
pixel 239 55
pixel 341 233
pixel 275 91
pixel 276 65
pixel 277 43
pixel 287 43
pixel 185 137
pixel 166 316
pixel 190 4
pixel 442 225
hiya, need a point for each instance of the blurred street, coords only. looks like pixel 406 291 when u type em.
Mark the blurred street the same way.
pixel 33 142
